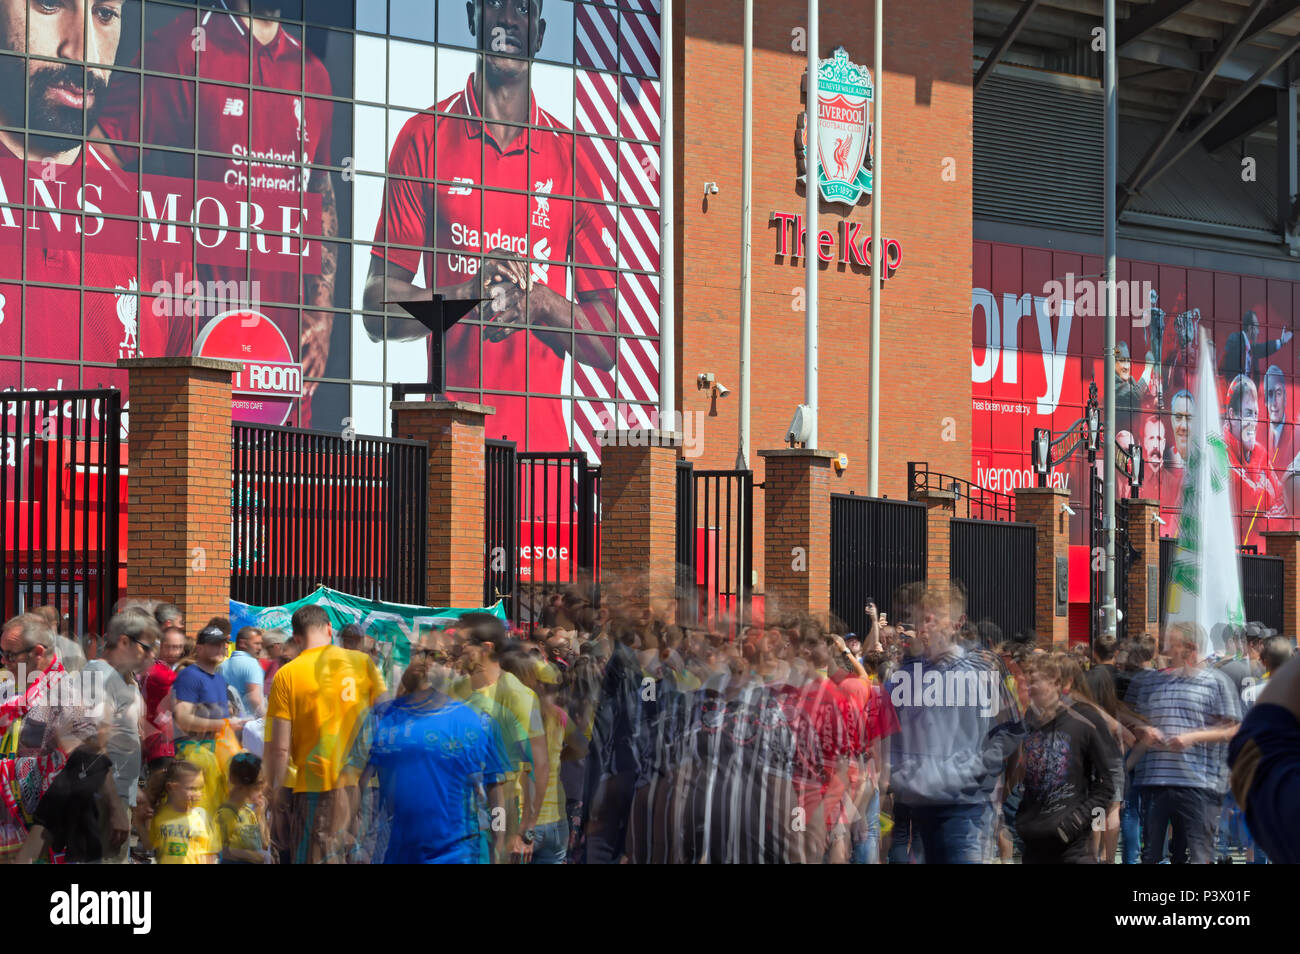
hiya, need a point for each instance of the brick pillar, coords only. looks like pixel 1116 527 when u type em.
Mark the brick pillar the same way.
pixel 454 567
pixel 638 519
pixel 178 538
pixel 1143 610
pixel 1286 544
pixel 797 530
pixel 1041 506
pixel 940 508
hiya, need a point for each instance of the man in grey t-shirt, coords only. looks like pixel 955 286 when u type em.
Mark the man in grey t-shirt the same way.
pixel 113 698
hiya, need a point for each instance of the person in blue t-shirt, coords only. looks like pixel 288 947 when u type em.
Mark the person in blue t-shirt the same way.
pixel 244 673
pixel 440 767
pixel 202 705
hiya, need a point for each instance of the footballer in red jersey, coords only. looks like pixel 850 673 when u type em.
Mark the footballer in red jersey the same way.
pixel 64 239
pixel 260 135
pixel 523 238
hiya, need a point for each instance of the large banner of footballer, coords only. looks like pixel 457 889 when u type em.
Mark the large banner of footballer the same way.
pixel 1032 362
pixel 501 149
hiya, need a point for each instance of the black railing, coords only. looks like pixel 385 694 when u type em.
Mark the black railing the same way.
pixel 973 501
pixel 61 486
pixel 686 540
pixel 501 523
pixel 715 548
pixel 995 562
pixel 1261 590
pixel 1262 593
pixel 877 546
pixel 311 507
pixel 546 517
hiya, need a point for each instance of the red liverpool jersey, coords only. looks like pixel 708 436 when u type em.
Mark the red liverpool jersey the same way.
pixel 463 214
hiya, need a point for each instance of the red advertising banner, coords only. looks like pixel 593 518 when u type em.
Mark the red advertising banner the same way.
pixel 1038 334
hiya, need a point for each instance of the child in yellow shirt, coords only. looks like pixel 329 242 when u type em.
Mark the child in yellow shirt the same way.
pixel 181 832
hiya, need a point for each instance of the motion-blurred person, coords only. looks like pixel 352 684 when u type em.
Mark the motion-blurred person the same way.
pixel 440 766
pixel 244 674
pixel 317 706
pixel 279 650
pixel 1265 759
pixel 1193 712
pixel 1067 767
pixel 515 710
pixel 127 649
pixel 958 728
pixel 34 670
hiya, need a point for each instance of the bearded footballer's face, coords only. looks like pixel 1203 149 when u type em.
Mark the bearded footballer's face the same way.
pixel 513 29
pixel 75 32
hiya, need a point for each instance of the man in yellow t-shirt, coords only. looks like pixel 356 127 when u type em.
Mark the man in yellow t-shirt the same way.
pixel 316 709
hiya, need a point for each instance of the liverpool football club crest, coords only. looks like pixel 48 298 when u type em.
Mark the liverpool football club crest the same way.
pixel 844 143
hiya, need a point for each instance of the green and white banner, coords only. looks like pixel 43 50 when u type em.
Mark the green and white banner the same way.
pixel 392 625
pixel 1204 574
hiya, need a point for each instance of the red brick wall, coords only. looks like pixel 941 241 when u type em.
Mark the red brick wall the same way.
pixel 1286 544
pixel 940 508
pixel 1146 540
pixel 925 376
pixel 638 490
pixel 457 496
pixel 179 489
pixel 1042 507
pixel 797 542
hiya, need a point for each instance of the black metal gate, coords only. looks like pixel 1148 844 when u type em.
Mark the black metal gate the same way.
pixel 1261 589
pixel 876 546
pixel 715 548
pixel 311 507
pixel 542 529
pixel 1261 585
pixel 62 483
pixel 995 562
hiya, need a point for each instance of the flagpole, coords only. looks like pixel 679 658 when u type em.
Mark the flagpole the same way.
pixel 1108 190
pixel 878 265
pixel 810 254
pixel 746 239
pixel 667 227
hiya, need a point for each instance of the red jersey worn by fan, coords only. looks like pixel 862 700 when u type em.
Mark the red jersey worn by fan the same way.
pixel 457 149
pixel 260 133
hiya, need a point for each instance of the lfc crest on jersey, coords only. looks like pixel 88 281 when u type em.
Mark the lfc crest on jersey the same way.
pixel 845 95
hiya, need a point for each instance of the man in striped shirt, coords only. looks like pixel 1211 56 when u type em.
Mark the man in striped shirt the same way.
pixel 1183 771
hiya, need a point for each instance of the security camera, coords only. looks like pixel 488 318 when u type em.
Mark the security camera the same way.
pixel 722 390
pixel 710 188
pixel 704 381
pixel 1066 508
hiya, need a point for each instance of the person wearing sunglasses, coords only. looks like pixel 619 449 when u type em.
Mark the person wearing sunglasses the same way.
pixel 127 649
pixel 26 647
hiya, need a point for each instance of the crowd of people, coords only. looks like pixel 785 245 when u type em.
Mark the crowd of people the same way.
pixel 605 735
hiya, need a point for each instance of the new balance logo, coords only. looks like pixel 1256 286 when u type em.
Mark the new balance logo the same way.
pixel 234 107
pixel 460 189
